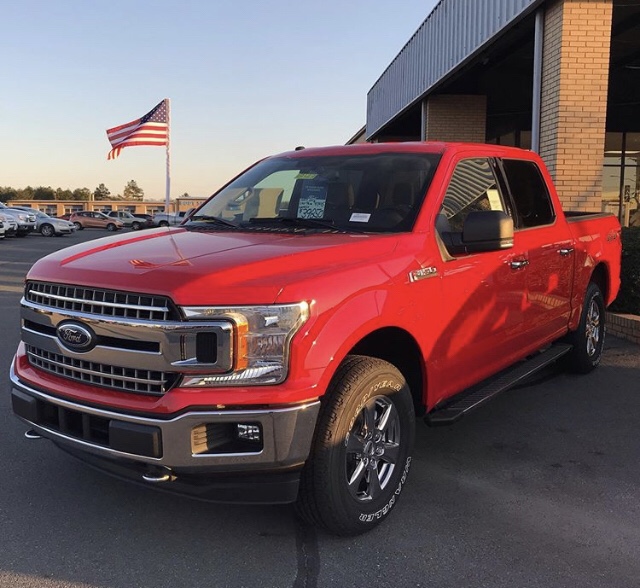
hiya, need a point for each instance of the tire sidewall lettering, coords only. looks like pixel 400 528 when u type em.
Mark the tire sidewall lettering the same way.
pixel 380 385
pixel 371 517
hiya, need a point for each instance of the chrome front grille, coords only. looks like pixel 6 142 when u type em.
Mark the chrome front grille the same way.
pixel 139 381
pixel 108 303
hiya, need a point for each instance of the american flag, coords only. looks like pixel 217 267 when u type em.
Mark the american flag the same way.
pixel 151 129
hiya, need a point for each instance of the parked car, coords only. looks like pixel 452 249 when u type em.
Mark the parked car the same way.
pixel 129 220
pixel 26 221
pixel 147 217
pixel 10 225
pixel 49 226
pixel 91 219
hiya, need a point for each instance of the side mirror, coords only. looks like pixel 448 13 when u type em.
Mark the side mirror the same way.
pixel 487 230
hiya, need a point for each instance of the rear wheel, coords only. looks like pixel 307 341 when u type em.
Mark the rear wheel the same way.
pixel 163 224
pixel 588 338
pixel 360 457
pixel 136 226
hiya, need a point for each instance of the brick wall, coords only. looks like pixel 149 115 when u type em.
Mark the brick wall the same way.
pixel 625 326
pixel 575 72
pixel 456 118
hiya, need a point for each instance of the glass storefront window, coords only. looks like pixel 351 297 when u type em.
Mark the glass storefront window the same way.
pixel 613 149
pixel 621 177
pixel 611 189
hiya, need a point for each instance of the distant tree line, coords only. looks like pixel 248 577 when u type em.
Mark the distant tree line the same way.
pixel 131 192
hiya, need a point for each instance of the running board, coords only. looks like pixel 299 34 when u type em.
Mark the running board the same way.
pixel 476 396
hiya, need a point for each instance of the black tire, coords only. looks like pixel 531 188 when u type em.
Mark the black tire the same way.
pixel 163 224
pixel 78 226
pixel 111 227
pixel 588 338
pixel 361 452
pixel 136 226
pixel 47 230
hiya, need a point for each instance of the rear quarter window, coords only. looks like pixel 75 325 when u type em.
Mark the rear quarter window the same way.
pixel 529 193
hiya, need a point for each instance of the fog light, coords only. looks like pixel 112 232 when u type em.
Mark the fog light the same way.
pixel 249 432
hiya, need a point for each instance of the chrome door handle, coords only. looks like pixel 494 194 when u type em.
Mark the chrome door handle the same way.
pixel 519 264
pixel 565 252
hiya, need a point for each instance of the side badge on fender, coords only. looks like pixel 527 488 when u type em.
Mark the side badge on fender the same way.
pixel 422 273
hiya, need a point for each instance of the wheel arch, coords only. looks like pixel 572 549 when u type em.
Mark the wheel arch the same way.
pixel 600 277
pixel 399 348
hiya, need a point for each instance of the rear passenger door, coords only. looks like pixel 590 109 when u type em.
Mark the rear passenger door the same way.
pixel 547 247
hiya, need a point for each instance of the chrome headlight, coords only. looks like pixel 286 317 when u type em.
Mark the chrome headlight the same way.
pixel 261 341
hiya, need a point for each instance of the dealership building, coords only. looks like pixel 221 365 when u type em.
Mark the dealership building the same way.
pixel 561 77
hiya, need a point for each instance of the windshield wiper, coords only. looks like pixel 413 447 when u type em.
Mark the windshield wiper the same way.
pixel 310 223
pixel 214 219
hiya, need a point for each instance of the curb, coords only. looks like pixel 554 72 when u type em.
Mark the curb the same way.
pixel 625 326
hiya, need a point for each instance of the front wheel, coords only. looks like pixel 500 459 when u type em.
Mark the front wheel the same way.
pixel 136 226
pixel 588 338
pixel 47 231
pixel 361 453
pixel 78 226
pixel 111 227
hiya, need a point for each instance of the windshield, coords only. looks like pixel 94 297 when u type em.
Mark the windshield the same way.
pixel 352 193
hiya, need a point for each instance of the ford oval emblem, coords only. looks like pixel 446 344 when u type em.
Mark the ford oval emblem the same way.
pixel 76 337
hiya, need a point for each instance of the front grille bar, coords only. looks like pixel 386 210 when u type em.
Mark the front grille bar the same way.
pixel 134 307
pixel 110 303
pixel 108 376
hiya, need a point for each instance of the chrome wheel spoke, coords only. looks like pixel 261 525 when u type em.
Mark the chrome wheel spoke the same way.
pixel 369 412
pixel 373 483
pixel 356 477
pixel 388 415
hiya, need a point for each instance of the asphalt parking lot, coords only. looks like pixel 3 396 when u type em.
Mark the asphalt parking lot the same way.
pixel 540 488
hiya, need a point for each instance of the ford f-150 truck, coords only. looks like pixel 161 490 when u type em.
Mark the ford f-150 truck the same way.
pixel 279 345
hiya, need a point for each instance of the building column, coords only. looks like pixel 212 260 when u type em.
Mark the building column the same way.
pixel 455 118
pixel 575 74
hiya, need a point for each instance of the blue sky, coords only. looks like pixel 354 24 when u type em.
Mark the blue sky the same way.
pixel 246 79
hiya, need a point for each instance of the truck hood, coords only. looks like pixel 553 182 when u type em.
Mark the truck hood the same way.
pixel 207 267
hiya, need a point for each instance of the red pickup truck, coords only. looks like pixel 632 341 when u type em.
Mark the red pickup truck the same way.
pixel 279 345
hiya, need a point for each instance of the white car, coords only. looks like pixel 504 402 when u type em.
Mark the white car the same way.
pixel 10 225
pixel 26 220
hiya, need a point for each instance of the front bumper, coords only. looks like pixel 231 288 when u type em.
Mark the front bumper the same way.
pixel 198 452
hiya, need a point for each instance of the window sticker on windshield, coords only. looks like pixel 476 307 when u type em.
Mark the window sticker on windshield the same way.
pixel 306 176
pixel 360 217
pixel 312 201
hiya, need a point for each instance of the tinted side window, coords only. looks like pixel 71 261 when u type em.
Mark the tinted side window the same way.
pixel 529 193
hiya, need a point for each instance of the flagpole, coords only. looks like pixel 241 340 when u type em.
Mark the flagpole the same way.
pixel 167 196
